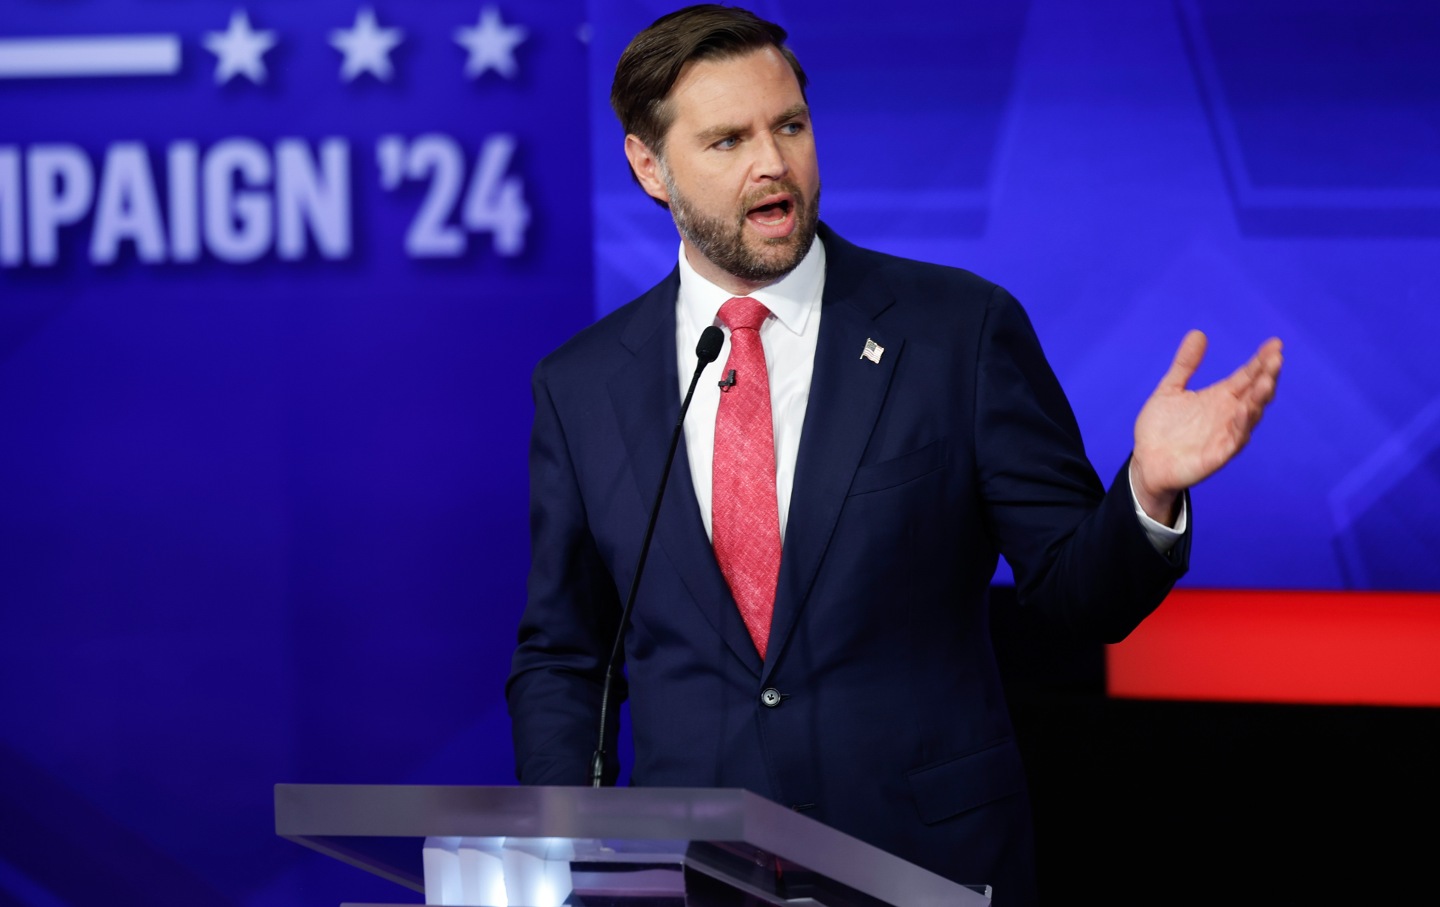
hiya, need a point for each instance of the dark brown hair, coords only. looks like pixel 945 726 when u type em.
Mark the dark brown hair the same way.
pixel 650 65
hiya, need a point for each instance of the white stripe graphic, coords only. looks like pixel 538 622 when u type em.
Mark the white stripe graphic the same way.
pixel 119 55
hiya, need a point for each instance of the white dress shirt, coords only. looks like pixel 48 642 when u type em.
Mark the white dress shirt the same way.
pixel 789 337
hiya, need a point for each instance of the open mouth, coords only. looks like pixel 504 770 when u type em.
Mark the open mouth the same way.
pixel 771 213
pixel 774 216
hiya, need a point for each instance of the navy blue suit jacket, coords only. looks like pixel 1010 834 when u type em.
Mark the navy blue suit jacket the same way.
pixel 913 474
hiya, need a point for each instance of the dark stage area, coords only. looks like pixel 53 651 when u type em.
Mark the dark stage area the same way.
pixel 1152 802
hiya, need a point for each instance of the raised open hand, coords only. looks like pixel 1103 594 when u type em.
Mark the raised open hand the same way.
pixel 1183 436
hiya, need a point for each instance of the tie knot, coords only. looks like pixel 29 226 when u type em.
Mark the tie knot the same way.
pixel 744 312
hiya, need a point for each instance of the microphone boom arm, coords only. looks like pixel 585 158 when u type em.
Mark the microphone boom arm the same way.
pixel 708 350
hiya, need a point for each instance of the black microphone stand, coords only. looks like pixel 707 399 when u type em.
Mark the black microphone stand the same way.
pixel 708 350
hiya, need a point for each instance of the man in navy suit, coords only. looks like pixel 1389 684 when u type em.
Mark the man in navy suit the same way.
pixel 918 433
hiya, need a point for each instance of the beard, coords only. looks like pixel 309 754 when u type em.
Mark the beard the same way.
pixel 723 242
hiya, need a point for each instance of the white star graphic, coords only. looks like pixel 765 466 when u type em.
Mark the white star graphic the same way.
pixel 239 49
pixel 366 47
pixel 491 44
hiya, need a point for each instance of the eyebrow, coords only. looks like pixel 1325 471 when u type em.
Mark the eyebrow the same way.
pixel 715 133
pixel 799 110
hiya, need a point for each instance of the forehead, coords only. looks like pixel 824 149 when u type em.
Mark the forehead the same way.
pixel 736 90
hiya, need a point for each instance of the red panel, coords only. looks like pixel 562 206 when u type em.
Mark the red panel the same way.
pixel 1331 648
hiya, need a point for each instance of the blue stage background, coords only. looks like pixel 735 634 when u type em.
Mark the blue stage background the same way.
pixel 265 343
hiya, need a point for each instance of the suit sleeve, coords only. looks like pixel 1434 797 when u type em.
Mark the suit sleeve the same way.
pixel 1082 561
pixel 569 624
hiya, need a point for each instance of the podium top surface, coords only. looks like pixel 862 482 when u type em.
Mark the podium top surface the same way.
pixel 337 819
pixel 718 814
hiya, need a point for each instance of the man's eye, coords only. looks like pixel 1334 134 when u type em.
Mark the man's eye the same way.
pixel 791 129
pixel 728 142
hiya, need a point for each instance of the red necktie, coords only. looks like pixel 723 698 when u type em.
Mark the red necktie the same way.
pixel 745 518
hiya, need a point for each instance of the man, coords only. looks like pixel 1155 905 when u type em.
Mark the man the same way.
pixel 819 635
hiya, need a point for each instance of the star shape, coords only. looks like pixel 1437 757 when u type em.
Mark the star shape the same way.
pixel 366 47
pixel 239 49
pixel 491 44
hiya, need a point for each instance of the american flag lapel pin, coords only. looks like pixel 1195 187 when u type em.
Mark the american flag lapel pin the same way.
pixel 873 351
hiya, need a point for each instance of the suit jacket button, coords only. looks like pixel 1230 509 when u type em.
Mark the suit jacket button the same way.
pixel 770 698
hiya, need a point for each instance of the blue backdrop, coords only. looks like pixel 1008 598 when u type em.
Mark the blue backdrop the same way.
pixel 273 276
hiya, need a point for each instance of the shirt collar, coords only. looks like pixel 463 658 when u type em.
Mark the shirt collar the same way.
pixel 790 299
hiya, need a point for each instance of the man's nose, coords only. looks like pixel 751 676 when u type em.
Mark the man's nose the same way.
pixel 769 162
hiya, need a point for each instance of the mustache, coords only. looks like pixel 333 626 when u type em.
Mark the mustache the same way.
pixel 786 186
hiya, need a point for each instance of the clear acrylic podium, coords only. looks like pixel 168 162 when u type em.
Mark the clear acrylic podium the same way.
pixel 511 846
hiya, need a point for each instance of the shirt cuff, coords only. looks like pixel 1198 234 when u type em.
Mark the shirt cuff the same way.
pixel 1162 537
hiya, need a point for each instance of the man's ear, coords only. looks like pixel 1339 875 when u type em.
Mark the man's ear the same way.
pixel 645 164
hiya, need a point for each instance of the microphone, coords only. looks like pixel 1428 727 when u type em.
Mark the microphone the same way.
pixel 707 351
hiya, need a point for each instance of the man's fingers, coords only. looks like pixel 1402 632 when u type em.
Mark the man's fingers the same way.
pixel 1187 360
pixel 1253 386
pixel 1256 379
pixel 1272 356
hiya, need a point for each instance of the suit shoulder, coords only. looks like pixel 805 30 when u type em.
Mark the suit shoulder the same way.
pixel 944 281
pixel 911 279
pixel 585 342
pixel 592 347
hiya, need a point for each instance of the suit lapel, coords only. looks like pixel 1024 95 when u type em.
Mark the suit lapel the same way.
pixel 645 394
pixel 846 396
